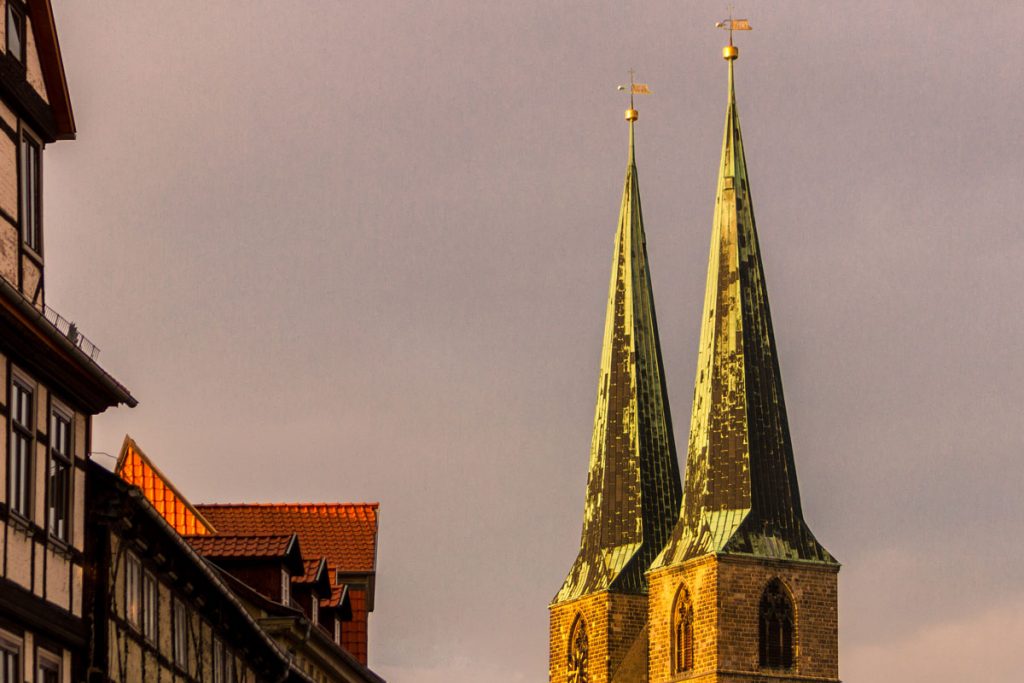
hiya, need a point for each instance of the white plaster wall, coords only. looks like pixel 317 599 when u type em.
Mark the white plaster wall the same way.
pixel 34 71
pixel 19 557
pixel 42 419
pixel 8 176
pixel 78 510
pixel 30 276
pixel 58 576
pixel 80 441
pixel 5 112
pixel 76 598
pixel 3 465
pixel 39 486
pixel 8 245
pixel 164 624
pixel 37 568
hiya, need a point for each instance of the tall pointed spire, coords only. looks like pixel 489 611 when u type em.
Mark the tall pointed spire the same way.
pixel 740 491
pixel 633 489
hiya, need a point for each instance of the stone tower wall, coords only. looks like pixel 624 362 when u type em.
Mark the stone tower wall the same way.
pixel 725 592
pixel 614 623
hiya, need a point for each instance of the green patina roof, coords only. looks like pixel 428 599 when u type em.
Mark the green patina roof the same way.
pixel 740 493
pixel 633 490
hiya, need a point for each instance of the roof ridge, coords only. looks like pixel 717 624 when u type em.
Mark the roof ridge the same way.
pixel 374 505
pixel 230 536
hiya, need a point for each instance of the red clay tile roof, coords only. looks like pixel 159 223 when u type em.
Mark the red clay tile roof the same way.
pixel 344 533
pixel 311 571
pixel 135 468
pixel 338 594
pixel 276 545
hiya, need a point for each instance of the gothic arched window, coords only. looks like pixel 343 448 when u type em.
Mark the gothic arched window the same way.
pixel 682 632
pixel 578 652
pixel 776 627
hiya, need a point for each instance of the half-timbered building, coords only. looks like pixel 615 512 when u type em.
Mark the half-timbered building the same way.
pixel 159 611
pixel 286 564
pixel 52 384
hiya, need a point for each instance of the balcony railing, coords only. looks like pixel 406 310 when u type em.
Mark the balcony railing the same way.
pixel 70 330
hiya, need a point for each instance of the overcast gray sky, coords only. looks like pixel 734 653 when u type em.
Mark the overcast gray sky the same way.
pixel 360 251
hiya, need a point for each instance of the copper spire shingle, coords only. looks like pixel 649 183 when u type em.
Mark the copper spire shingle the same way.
pixel 633 489
pixel 740 489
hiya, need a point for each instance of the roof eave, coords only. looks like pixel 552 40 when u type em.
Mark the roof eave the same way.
pixel 45 33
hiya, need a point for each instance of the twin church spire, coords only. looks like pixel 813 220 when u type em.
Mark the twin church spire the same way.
pixel 740 493
pixel 633 490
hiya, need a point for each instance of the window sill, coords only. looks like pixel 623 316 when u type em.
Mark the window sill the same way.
pixel 20 523
pixel 60 546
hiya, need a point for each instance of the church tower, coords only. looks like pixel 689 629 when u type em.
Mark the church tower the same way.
pixel 742 591
pixel 598 619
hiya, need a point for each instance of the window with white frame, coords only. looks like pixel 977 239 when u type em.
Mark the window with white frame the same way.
pixel 30 194
pixel 315 609
pixel 286 583
pixel 15 31
pixel 150 607
pixel 10 659
pixel 180 628
pixel 58 507
pixel 218 660
pixel 133 590
pixel 19 458
pixel 47 667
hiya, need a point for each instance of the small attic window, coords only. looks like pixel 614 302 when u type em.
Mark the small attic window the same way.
pixel 15 32
pixel 286 582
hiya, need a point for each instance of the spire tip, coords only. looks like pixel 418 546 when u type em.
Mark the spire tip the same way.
pixel 632 115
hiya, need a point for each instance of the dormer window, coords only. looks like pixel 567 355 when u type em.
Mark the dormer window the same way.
pixel 28 190
pixel 15 32
pixel 286 582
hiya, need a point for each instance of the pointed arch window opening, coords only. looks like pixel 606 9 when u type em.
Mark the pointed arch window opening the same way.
pixel 579 653
pixel 776 627
pixel 682 632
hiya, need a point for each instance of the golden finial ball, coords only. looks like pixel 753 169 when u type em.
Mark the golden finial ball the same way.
pixel 730 52
pixel 631 114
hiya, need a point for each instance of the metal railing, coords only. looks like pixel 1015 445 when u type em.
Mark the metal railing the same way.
pixel 70 330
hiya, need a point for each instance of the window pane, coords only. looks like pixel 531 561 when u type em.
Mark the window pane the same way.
pixel 29 192
pixel 14 32
pixel 132 601
pixel 59 472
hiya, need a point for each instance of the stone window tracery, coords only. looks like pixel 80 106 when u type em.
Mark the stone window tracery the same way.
pixel 682 632
pixel 578 657
pixel 776 627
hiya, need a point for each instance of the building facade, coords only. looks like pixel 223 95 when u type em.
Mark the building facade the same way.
pixel 285 564
pixel 52 383
pixel 158 611
pixel 738 590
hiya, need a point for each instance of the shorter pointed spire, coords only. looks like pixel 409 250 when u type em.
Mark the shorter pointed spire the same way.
pixel 633 488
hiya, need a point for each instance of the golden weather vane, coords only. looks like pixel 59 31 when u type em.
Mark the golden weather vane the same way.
pixel 634 88
pixel 731 51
